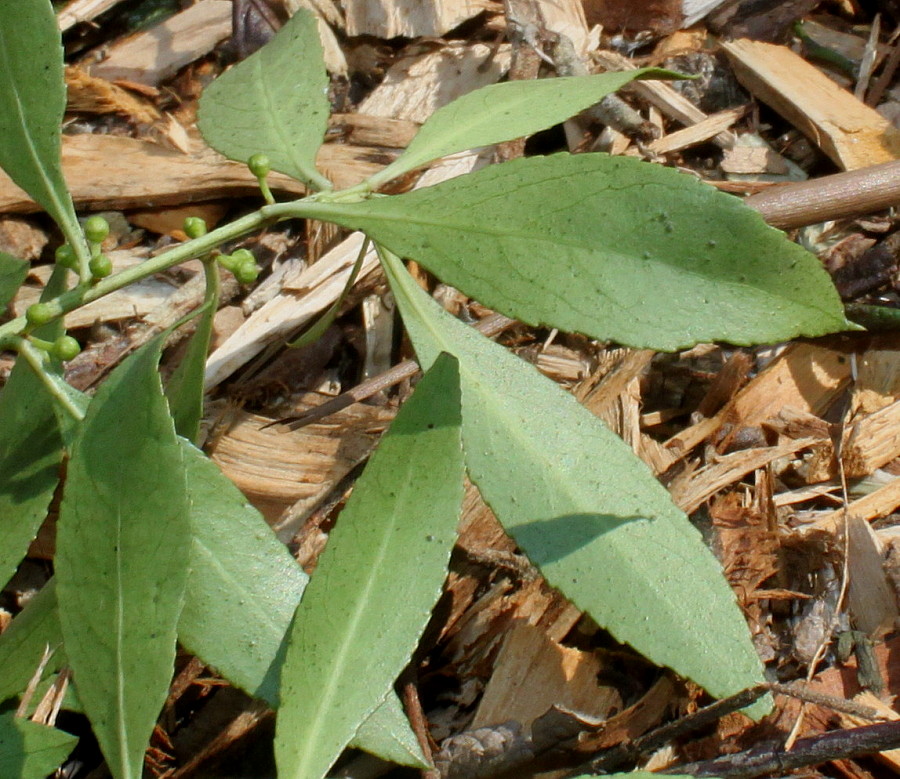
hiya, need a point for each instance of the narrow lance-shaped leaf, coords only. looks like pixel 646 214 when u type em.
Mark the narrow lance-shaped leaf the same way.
pixel 122 558
pixel 376 582
pixel 607 246
pixel 185 387
pixel 584 508
pixel 29 750
pixel 32 102
pixel 12 273
pixel 274 102
pixel 23 643
pixel 502 112
pixel 31 450
pixel 242 591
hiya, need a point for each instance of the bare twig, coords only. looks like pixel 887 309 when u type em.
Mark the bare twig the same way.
pixel 842 195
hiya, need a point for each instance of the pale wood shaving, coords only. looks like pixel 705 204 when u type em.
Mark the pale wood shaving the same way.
pixel 408 18
pixel 690 489
pixel 533 673
pixel 159 53
pixel 276 468
pixel 845 128
pixel 142 174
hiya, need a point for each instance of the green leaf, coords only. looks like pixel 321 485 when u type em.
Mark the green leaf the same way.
pixel 32 102
pixel 29 750
pixel 241 595
pixel 185 388
pixel 12 273
pixel 502 112
pixel 387 733
pixel 31 449
pixel 376 582
pixel 244 585
pixel 584 508
pixel 607 246
pixel 275 102
pixel 122 558
pixel 22 644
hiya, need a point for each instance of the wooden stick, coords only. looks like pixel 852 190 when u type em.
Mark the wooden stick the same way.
pixel 842 195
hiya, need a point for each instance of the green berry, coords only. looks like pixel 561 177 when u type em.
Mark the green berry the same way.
pixel 96 228
pixel 65 256
pixel 194 227
pixel 101 266
pixel 39 313
pixel 65 348
pixel 259 165
pixel 246 272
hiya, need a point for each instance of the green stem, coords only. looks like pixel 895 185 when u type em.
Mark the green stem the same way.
pixel 306 208
pixel 36 359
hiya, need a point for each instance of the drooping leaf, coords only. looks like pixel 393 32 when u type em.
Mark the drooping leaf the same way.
pixel 32 102
pixel 185 387
pixel 23 643
pixel 502 112
pixel 242 592
pixel 607 246
pixel 275 102
pixel 12 273
pixel 31 449
pixel 29 750
pixel 376 582
pixel 584 508
pixel 122 558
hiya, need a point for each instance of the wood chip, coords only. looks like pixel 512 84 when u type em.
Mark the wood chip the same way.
pixel 408 18
pixel 107 171
pixel 277 468
pixel 846 129
pixel 156 55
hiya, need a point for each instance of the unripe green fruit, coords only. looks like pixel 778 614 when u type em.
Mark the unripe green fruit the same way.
pixel 194 227
pixel 39 313
pixel 96 228
pixel 246 272
pixel 65 348
pixel 65 256
pixel 100 266
pixel 259 165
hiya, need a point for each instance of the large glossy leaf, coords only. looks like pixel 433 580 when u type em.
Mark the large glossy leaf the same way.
pixel 274 102
pixel 584 508
pixel 12 273
pixel 241 595
pixel 29 750
pixel 23 643
pixel 376 583
pixel 122 558
pixel 31 449
pixel 502 112
pixel 32 101
pixel 608 246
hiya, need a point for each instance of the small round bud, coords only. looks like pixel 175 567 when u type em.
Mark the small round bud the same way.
pixel 259 165
pixel 65 348
pixel 65 256
pixel 100 266
pixel 194 227
pixel 96 228
pixel 246 272
pixel 39 313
